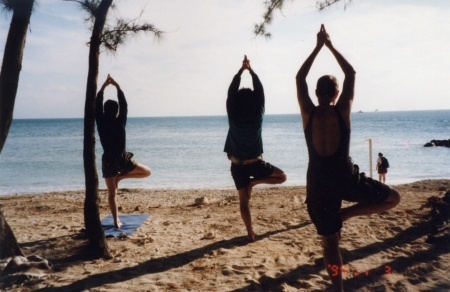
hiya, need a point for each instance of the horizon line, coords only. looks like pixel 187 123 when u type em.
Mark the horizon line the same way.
pixel 199 116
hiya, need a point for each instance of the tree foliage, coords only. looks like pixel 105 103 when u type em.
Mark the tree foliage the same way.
pixel 273 5
pixel 115 36
pixel 9 5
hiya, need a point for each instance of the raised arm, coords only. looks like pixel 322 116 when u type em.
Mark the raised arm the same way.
pixel 234 86
pixel 345 101
pixel 304 100
pixel 99 100
pixel 123 106
pixel 257 85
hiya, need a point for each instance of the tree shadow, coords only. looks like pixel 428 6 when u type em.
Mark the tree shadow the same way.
pixel 306 271
pixel 161 264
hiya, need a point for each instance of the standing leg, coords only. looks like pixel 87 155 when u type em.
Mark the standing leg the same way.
pixel 244 199
pixel 333 260
pixel 111 185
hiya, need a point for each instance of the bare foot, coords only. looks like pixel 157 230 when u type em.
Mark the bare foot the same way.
pixel 118 224
pixel 251 237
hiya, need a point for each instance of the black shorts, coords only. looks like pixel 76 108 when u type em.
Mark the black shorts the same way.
pixel 241 173
pixel 117 163
pixel 324 200
pixel 382 170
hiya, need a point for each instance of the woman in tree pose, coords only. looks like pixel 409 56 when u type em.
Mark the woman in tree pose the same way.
pixel 331 175
pixel 116 162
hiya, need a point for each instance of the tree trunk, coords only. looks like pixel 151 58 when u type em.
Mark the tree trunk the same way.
pixel 12 64
pixel 8 242
pixel 93 225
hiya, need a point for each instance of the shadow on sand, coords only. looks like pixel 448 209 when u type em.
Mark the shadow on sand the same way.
pixel 161 264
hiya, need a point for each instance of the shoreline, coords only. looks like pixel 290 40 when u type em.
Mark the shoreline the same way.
pixel 228 187
pixel 171 249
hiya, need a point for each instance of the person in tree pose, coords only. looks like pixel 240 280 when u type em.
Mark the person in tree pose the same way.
pixel 117 164
pixel 244 147
pixel 331 175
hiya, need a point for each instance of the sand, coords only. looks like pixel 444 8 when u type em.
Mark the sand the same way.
pixel 187 247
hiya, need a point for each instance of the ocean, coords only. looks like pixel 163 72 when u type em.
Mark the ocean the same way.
pixel 43 155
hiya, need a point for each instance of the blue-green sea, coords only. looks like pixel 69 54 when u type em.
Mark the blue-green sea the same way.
pixel 43 155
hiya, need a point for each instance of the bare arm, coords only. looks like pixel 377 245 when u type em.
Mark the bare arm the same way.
pixel 304 100
pixel 345 101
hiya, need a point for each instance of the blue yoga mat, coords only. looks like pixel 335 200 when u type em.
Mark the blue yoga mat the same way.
pixel 131 223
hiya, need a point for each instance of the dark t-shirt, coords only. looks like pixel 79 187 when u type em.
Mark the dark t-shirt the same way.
pixel 111 130
pixel 244 139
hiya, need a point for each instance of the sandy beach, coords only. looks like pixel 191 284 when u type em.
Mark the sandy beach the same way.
pixel 187 247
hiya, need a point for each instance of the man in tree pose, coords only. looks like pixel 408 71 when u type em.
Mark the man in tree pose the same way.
pixel 245 108
pixel 331 175
pixel 116 162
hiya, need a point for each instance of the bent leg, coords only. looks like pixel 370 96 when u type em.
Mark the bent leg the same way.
pixel 366 209
pixel 111 185
pixel 244 199
pixel 277 177
pixel 140 171
pixel 333 260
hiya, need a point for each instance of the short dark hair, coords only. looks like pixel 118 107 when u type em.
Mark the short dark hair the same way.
pixel 245 97
pixel 111 108
pixel 245 93
pixel 327 86
pixel 380 154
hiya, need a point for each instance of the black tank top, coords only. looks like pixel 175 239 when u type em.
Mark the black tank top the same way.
pixel 333 164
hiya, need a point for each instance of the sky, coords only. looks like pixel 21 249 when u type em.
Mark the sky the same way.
pixel 399 50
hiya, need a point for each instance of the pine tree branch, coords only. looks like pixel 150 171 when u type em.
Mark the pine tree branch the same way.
pixel 114 37
pixel 268 17
pixel 273 5
pixel 321 5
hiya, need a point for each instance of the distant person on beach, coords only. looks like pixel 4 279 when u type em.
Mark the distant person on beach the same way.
pixel 382 167
pixel 331 175
pixel 244 147
pixel 117 164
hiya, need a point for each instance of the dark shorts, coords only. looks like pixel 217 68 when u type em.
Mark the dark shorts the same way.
pixel 382 170
pixel 117 163
pixel 324 200
pixel 241 173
